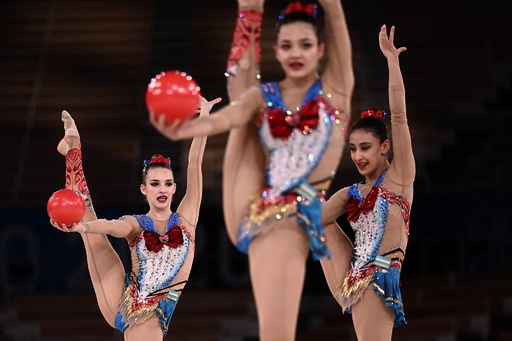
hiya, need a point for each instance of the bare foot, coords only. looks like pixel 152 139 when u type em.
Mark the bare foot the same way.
pixel 71 137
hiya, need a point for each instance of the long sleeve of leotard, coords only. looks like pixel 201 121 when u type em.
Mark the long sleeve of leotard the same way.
pixel 338 76
pixel 402 169
pixel 191 202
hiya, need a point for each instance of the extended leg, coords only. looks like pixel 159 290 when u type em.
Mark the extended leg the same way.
pixel 277 262
pixel 243 63
pixel 244 156
pixel 336 267
pixel 105 267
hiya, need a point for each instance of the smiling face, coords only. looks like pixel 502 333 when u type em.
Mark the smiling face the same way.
pixel 159 187
pixel 297 49
pixel 368 153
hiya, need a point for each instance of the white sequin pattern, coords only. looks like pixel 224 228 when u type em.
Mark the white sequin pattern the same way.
pixel 158 269
pixel 294 159
pixel 368 232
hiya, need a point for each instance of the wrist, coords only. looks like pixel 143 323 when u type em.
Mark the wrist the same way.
pixel 82 228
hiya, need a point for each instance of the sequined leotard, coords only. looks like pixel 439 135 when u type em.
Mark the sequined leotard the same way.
pixel 150 288
pixel 296 143
pixel 368 218
pixel 379 214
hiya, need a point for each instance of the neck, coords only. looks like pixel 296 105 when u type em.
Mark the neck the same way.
pixel 159 215
pixel 304 82
pixel 374 176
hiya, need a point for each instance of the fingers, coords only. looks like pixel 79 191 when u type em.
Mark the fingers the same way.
pixel 392 34
pixel 157 122
pixel 206 106
pixel 64 115
pixel 215 101
pixel 387 42
pixel 401 49
pixel 62 227
pixel 175 124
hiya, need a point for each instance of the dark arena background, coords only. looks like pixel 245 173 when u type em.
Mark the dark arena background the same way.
pixel 95 59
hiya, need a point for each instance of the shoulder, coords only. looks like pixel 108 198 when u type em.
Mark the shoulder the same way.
pixel 132 219
pixel 251 100
pixel 341 193
pixel 184 223
pixel 338 98
pixel 187 228
pixel 137 221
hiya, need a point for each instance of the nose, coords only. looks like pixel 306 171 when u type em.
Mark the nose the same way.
pixel 356 155
pixel 295 51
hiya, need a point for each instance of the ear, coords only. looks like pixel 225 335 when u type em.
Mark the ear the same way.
pixel 321 50
pixel 386 145
pixel 143 189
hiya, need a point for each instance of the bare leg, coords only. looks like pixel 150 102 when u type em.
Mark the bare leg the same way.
pixel 150 330
pixel 336 267
pixel 373 320
pixel 105 267
pixel 277 262
pixel 244 160
pixel 243 65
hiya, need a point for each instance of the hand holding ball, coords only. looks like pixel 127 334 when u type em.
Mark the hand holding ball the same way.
pixel 173 94
pixel 66 207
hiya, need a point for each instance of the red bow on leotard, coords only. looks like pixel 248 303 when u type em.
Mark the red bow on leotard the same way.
pixel 282 125
pixel 356 207
pixel 155 241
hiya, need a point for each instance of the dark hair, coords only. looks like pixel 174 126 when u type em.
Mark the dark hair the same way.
pixel 301 16
pixel 373 125
pixel 157 161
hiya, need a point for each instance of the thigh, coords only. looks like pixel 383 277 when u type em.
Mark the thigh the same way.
pixel 373 319
pixel 149 330
pixel 277 262
pixel 243 175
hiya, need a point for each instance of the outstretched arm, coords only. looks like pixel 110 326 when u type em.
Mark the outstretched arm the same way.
pixel 338 76
pixel 402 169
pixel 230 116
pixel 127 227
pixel 191 202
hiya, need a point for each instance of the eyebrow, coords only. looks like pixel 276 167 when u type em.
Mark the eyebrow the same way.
pixel 301 40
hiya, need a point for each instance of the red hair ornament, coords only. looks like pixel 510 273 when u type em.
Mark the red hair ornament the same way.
pixel 299 7
pixel 381 115
pixel 158 159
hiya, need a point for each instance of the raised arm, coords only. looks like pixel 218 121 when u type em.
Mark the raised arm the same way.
pixel 402 169
pixel 230 116
pixel 191 202
pixel 338 76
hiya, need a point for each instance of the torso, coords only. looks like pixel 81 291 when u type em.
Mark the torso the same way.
pixel 158 269
pixel 381 222
pixel 301 147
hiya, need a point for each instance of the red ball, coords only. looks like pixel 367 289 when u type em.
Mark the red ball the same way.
pixel 173 94
pixel 66 206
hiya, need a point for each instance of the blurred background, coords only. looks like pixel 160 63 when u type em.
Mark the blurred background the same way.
pixel 95 59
